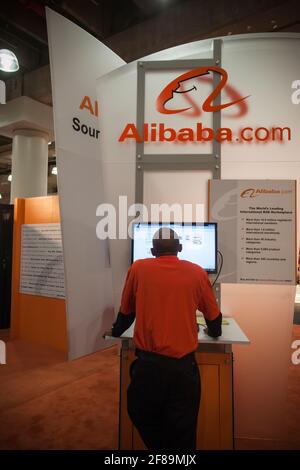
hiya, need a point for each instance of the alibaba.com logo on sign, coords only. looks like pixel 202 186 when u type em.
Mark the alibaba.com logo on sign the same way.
pixel 250 192
pixel 187 86
pixel 177 87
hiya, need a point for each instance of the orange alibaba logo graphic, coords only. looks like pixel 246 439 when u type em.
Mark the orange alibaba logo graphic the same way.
pixel 176 87
pixel 248 193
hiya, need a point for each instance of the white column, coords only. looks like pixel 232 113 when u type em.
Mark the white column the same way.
pixel 29 163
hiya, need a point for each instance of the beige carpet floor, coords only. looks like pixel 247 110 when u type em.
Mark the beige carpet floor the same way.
pixel 47 402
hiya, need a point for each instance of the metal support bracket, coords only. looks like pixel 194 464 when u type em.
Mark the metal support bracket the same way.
pixel 150 162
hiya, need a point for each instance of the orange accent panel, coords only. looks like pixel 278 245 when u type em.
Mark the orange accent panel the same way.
pixel 208 200
pixel 296 241
pixel 35 318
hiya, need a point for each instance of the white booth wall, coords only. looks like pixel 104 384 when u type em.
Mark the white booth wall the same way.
pixel 77 59
pixel 264 67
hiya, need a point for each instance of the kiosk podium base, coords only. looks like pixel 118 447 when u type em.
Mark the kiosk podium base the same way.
pixel 215 419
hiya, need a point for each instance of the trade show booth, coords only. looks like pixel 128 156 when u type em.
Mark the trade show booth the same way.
pixel 201 135
pixel 221 112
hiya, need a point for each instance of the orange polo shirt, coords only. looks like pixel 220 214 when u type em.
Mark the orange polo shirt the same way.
pixel 164 293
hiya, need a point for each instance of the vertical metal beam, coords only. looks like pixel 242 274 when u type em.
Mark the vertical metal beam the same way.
pixel 217 292
pixel 140 117
pixel 217 48
pixel 212 161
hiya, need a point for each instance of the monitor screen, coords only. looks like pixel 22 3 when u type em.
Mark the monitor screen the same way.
pixel 199 242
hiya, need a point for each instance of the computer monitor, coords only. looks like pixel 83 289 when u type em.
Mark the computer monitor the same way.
pixel 199 242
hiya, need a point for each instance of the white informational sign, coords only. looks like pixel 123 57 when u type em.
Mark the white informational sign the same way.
pixel 256 230
pixel 42 267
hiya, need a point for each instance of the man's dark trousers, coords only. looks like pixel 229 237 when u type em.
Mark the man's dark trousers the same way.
pixel 163 400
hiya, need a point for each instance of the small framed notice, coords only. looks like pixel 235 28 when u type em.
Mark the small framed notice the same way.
pixel 42 266
pixel 256 229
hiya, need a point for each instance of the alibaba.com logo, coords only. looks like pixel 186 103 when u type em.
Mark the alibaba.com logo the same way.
pixel 250 192
pixel 193 79
pixel 188 87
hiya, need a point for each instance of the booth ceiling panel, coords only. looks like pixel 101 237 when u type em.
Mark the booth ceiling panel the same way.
pixel 26 19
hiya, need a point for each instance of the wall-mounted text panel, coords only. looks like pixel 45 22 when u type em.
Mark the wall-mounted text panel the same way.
pixel 42 267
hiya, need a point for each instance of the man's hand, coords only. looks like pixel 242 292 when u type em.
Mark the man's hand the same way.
pixel 107 333
pixel 214 327
pixel 206 331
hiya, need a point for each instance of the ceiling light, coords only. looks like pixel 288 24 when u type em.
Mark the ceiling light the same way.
pixel 8 61
pixel 9 178
pixel 54 170
pixel 0 196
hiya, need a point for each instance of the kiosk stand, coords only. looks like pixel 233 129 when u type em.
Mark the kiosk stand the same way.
pixel 215 361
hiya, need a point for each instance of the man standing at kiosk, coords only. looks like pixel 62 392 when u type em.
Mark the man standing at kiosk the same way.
pixel 163 294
